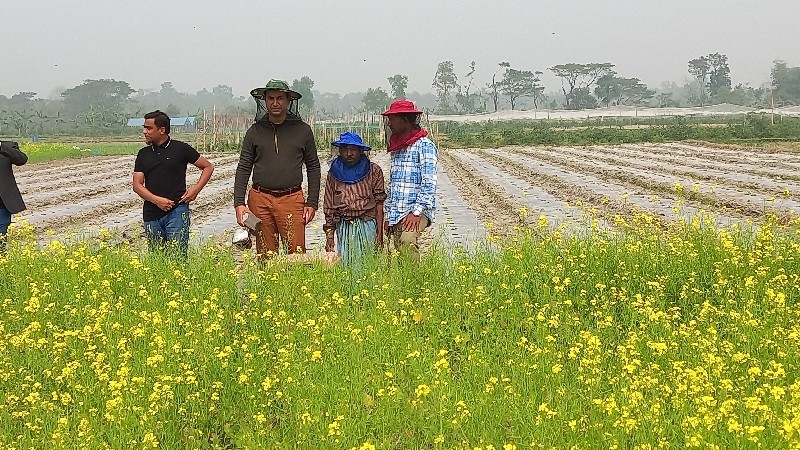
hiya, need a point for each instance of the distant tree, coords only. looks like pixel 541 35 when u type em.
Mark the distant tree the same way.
pixel 21 99
pixel 582 98
pixel 785 84
pixel 579 79
pixel 445 82
pixel 467 101
pixel 613 90
pixel 39 119
pixel 665 100
pixel 745 95
pixel 172 110
pixel 168 89
pixel 22 121
pixel 303 87
pixel 205 97
pixel 519 83
pixel 223 92
pixel 375 100
pixel 696 94
pixel 20 112
pixel 699 69
pixel 98 102
pixel 719 77
pixel 494 92
pixel 166 96
pixel 399 83
pixel 538 91
pixel 327 105
pixel 713 74
pixel 607 89
pixel 636 93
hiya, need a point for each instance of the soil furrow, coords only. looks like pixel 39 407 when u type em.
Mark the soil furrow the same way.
pixel 491 202
pixel 763 185
pixel 720 198
pixel 605 206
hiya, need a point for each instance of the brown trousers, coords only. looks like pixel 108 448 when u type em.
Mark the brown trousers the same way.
pixel 280 217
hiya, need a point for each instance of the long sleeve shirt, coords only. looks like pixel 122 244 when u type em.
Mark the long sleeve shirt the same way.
pixel 357 200
pixel 10 197
pixel 412 181
pixel 275 155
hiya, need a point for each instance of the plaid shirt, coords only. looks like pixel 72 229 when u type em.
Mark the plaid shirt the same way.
pixel 412 181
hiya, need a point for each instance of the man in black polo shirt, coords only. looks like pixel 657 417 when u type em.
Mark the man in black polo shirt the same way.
pixel 159 177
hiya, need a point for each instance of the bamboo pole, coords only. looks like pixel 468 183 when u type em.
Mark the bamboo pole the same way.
pixel 214 127
pixel 205 127
pixel 772 115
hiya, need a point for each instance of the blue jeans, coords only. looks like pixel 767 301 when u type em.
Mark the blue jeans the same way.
pixel 5 220
pixel 170 231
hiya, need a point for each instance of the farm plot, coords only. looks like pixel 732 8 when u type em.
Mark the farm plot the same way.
pixel 608 199
pixel 77 198
pixel 500 189
pixel 732 199
pixel 760 158
pixel 700 159
pixel 535 198
pixel 770 181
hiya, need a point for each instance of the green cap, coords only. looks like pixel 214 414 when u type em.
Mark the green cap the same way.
pixel 275 85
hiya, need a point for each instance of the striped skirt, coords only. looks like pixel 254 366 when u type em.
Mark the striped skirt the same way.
pixel 355 239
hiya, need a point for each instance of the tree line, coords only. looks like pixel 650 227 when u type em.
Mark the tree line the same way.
pixel 591 85
pixel 104 105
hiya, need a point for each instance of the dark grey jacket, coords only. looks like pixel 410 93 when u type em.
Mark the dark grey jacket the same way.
pixel 9 192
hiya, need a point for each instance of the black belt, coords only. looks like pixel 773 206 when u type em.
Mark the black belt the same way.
pixel 277 193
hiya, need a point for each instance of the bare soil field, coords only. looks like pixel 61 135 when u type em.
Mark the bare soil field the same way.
pixel 507 188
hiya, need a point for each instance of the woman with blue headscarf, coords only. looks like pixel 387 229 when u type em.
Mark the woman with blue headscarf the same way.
pixel 353 205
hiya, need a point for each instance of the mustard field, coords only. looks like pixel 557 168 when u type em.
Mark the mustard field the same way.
pixel 645 336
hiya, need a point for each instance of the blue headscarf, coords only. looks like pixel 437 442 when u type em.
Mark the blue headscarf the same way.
pixel 358 171
pixel 350 174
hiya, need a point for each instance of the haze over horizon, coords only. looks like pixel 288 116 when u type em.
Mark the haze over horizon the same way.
pixel 353 45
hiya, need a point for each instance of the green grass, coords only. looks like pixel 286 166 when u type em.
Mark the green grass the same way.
pixel 47 151
pixel 749 129
pixel 641 338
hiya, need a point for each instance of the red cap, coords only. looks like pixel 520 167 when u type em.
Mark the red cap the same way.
pixel 401 107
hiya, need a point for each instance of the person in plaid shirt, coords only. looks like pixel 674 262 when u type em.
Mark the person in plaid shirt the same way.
pixel 411 197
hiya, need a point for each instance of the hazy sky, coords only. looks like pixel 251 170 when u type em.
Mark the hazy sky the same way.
pixel 350 45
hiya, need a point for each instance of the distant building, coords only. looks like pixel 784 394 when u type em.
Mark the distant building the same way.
pixel 187 123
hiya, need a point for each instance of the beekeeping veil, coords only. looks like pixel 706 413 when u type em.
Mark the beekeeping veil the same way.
pixel 277 85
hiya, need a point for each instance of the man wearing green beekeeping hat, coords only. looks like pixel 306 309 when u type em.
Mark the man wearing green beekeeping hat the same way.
pixel 274 150
pixel 276 85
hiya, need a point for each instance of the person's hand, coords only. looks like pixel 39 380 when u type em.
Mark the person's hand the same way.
pixel 190 195
pixel 386 228
pixel 164 204
pixel 241 210
pixel 410 222
pixel 308 214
